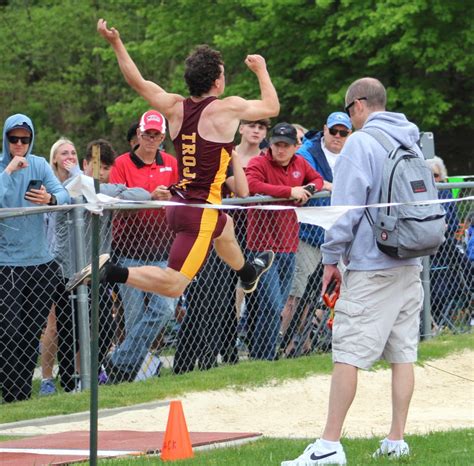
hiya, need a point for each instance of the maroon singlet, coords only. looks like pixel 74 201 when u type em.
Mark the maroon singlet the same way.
pixel 202 164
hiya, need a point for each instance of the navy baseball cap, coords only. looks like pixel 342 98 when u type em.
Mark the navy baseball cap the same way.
pixel 22 126
pixel 284 132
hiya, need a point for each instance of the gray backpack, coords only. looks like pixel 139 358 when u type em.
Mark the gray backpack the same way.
pixel 406 231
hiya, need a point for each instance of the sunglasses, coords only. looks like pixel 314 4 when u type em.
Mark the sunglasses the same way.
pixel 23 139
pixel 347 108
pixel 151 137
pixel 342 132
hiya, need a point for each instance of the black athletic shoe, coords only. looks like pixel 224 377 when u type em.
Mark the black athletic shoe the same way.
pixel 262 262
pixel 80 277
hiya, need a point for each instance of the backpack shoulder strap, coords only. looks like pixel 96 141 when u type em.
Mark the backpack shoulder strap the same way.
pixel 378 135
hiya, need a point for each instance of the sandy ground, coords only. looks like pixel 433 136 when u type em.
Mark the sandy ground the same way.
pixel 443 399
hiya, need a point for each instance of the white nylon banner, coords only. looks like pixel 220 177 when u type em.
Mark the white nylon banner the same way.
pixel 324 216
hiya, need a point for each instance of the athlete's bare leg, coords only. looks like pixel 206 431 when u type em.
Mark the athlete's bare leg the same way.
pixel 169 282
pixel 228 248
pixel 166 282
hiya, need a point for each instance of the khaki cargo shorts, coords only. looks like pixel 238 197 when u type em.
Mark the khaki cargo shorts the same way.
pixel 378 316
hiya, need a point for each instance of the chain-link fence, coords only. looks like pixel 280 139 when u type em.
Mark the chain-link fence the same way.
pixel 45 330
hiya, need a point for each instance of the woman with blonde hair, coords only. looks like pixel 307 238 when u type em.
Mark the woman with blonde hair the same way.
pixel 65 164
pixel 63 159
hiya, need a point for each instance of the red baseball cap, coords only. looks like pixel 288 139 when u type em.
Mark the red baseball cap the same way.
pixel 152 120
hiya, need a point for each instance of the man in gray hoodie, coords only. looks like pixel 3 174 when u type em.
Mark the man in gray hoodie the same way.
pixel 377 314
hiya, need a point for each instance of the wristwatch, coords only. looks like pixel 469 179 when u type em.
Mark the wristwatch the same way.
pixel 53 200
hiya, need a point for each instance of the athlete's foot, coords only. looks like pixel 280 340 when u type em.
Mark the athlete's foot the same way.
pixel 84 275
pixel 262 262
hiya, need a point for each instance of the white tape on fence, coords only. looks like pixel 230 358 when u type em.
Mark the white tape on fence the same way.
pixel 83 185
pixel 327 216
pixel 323 216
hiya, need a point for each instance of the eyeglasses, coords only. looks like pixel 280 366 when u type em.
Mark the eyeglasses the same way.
pixel 342 132
pixel 14 139
pixel 151 137
pixel 347 108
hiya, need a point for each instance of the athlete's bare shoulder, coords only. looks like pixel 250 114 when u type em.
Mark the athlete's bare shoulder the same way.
pixel 217 122
pixel 166 103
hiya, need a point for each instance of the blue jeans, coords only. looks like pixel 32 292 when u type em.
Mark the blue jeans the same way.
pixel 146 314
pixel 271 295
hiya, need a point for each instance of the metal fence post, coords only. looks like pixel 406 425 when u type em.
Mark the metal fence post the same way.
pixel 81 296
pixel 94 347
pixel 425 281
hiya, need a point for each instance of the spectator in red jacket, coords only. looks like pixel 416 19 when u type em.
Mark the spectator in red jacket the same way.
pixel 281 174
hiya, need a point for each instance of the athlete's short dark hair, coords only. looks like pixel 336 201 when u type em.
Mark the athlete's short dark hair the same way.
pixel 107 152
pixel 202 68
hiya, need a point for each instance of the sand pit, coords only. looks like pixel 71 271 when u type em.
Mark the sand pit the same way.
pixel 443 400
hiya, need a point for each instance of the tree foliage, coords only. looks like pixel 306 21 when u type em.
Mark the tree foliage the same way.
pixel 56 69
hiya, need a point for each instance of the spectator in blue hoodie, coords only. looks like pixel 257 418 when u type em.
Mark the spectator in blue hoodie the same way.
pixel 321 150
pixel 27 269
pixel 378 312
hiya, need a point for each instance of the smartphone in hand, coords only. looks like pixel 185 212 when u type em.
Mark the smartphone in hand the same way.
pixel 34 184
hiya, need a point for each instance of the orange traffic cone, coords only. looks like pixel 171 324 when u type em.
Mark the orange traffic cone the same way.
pixel 177 443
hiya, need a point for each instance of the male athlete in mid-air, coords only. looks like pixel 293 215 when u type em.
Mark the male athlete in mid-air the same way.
pixel 202 128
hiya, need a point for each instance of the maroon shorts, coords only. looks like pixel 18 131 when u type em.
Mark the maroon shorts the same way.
pixel 195 228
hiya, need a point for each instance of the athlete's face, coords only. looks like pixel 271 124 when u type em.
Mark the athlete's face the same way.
pixel 282 152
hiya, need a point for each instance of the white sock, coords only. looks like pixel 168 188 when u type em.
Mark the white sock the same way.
pixel 327 444
pixel 393 443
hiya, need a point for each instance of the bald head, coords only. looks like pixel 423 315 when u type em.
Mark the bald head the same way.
pixel 370 88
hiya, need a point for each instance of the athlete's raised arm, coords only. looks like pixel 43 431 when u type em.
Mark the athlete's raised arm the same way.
pixel 268 106
pixel 150 91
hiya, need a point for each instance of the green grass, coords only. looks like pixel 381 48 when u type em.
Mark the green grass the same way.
pixel 243 375
pixel 440 448
pixel 4 438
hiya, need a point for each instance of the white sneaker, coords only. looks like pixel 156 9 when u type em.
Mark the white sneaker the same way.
pixel 315 454
pixel 392 449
